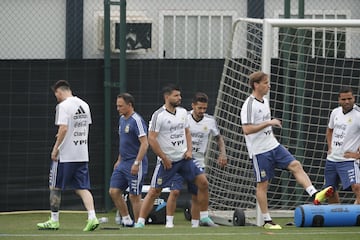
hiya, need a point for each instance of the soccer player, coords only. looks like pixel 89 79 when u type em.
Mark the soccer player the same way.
pixel 170 139
pixel 264 149
pixel 70 155
pixel 131 165
pixel 202 126
pixel 343 140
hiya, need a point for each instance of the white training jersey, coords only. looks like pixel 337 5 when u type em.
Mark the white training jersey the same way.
pixel 75 114
pixel 255 112
pixel 171 131
pixel 346 133
pixel 200 131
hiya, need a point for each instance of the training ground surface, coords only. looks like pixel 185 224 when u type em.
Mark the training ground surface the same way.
pixel 23 226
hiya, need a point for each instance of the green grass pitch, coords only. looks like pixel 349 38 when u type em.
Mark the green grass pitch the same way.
pixel 23 226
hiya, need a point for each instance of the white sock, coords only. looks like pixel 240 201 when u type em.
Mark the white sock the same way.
pixel 91 214
pixel 194 223
pixel 266 217
pixel 55 216
pixel 141 220
pixel 311 190
pixel 204 214
pixel 169 219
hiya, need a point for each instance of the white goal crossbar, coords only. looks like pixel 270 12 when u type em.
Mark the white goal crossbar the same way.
pixel 270 23
pixel 308 60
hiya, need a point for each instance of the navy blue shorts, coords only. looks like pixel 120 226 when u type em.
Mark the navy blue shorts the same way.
pixel 178 183
pixel 122 178
pixel 186 169
pixel 347 173
pixel 265 163
pixel 69 175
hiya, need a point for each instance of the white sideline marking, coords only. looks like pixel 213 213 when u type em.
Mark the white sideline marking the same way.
pixel 39 211
pixel 175 234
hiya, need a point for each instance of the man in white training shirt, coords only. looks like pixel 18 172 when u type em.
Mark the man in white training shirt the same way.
pixel 343 139
pixel 70 155
pixel 202 126
pixel 264 149
pixel 170 139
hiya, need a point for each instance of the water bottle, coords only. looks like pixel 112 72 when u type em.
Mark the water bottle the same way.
pixel 118 218
pixel 103 220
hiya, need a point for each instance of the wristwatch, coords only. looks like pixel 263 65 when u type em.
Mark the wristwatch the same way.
pixel 136 163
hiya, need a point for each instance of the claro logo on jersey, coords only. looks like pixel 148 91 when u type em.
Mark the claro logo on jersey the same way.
pixel 177 134
pixel 177 131
pixel 197 140
pixel 80 127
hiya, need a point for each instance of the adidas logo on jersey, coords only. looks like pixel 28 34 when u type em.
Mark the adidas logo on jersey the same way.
pixel 80 113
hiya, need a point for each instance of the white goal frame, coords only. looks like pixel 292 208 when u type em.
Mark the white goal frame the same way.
pixel 270 23
pixel 267 54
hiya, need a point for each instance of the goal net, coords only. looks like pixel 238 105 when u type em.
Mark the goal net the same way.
pixel 308 61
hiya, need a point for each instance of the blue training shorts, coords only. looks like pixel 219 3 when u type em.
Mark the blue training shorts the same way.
pixel 69 175
pixel 265 163
pixel 348 173
pixel 122 178
pixel 186 169
pixel 177 183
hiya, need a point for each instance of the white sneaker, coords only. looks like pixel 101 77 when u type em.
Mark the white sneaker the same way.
pixel 169 225
pixel 128 223
pixel 207 222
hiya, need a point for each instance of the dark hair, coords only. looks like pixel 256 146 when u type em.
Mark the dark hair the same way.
pixel 128 98
pixel 256 77
pixel 168 89
pixel 63 84
pixel 345 90
pixel 200 97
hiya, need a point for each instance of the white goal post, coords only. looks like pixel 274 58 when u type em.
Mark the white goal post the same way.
pixel 308 61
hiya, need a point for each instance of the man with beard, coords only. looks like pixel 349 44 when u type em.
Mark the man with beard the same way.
pixel 343 139
pixel 170 139
pixel 202 126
